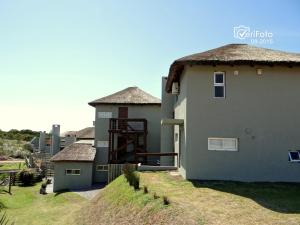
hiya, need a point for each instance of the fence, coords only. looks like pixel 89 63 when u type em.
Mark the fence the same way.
pixel 115 170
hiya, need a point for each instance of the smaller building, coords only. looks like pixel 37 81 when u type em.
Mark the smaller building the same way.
pixel 73 166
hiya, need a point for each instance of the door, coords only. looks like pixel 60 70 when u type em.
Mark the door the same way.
pixel 177 144
pixel 123 114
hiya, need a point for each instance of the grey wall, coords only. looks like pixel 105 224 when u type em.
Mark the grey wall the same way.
pixel 62 181
pixel 181 132
pixel 261 111
pixel 42 143
pixel 150 112
pixel 55 139
pixel 167 132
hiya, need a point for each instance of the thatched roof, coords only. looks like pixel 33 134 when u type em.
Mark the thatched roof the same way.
pixel 130 95
pixel 233 54
pixel 78 152
pixel 86 133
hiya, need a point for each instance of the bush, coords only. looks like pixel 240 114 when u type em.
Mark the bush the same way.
pixel 26 177
pixel 136 181
pixel 131 176
pixel 155 196
pixel 146 190
pixel 28 147
pixel 43 189
pixel 166 200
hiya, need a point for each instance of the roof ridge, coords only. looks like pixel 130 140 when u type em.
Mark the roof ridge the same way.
pixel 129 95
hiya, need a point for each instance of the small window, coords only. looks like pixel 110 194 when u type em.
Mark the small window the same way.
pixel 104 115
pixel 102 144
pixel 72 172
pixel 219 85
pixel 223 144
pixel 294 156
pixel 102 167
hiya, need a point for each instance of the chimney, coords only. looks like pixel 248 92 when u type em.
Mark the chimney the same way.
pixel 42 143
pixel 55 139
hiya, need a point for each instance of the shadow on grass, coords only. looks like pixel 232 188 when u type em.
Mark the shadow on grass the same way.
pixel 279 197
pixel 61 192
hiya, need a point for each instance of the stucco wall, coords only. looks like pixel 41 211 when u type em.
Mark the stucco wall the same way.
pixel 181 132
pixel 167 132
pixel 63 181
pixel 150 112
pixel 261 111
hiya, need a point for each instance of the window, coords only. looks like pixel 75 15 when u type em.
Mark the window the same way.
pixel 219 85
pixel 223 144
pixel 102 144
pixel 102 167
pixel 72 172
pixel 294 156
pixel 104 115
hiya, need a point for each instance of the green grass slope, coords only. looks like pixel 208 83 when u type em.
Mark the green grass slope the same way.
pixel 214 202
pixel 27 207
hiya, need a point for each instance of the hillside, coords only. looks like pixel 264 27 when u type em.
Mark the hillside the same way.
pixel 193 203
pixel 20 135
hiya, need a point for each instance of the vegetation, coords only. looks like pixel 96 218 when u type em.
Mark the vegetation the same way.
pixel 27 177
pixel 27 207
pixel 132 176
pixel 21 135
pixel 14 148
pixel 3 218
pixel 189 202
pixel 12 166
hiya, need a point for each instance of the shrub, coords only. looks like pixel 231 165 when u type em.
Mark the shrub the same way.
pixel 131 176
pixel 26 177
pixel 166 200
pixel 136 181
pixel 28 147
pixel 146 190
pixel 43 189
pixel 155 196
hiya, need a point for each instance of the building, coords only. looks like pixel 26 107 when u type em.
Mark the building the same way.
pixel 126 123
pixel 235 114
pixel 73 167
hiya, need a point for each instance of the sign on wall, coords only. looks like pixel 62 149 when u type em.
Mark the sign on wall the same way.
pixel 104 115
pixel 102 144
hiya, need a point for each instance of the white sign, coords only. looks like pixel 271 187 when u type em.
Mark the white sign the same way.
pixel 104 115
pixel 102 144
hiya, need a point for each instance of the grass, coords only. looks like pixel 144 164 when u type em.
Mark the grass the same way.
pixel 27 207
pixel 216 202
pixel 12 166
pixel 192 202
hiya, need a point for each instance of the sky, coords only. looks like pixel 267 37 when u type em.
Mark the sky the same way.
pixel 58 55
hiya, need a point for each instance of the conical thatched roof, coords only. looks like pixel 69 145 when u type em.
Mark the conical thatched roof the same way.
pixel 85 133
pixel 233 54
pixel 130 95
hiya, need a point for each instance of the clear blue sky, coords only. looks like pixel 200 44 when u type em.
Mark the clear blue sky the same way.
pixel 57 55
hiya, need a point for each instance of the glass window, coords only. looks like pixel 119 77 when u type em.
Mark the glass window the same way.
pixel 219 85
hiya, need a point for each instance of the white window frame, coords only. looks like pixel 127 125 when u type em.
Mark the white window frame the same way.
pixel 210 148
pixel 294 160
pixel 219 84
pixel 102 144
pixel 101 167
pixel 72 172
pixel 104 115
